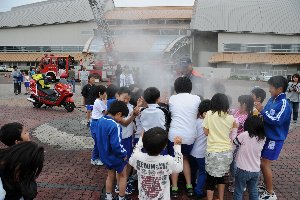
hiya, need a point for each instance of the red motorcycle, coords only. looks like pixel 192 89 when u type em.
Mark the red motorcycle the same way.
pixel 61 95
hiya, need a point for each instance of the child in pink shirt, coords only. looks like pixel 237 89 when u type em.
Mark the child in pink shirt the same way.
pixel 250 145
pixel 240 115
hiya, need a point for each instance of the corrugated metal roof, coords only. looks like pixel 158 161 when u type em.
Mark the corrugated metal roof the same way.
pixel 68 11
pixel 257 16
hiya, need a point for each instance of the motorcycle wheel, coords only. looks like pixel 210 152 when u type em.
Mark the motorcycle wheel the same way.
pixel 69 106
pixel 37 104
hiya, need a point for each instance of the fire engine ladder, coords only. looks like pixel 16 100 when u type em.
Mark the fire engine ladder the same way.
pixel 98 8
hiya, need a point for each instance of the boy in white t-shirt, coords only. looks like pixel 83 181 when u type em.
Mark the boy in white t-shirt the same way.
pixel 184 110
pixel 99 109
pixel 154 169
pixel 199 150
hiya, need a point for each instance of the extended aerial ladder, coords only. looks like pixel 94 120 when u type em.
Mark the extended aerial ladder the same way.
pixel 103 30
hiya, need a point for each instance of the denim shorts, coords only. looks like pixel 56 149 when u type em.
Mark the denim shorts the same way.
pixel 271 149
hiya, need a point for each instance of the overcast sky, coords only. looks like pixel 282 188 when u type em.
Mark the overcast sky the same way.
pixel 6 5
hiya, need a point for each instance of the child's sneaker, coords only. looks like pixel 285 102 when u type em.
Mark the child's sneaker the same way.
pixel 174 192
pixel 261 188
pixel 189 190
pixel 117 189
pixel 231 188
pixel 267 196
pixel 96 162
pixel 122 198
pixel 129 190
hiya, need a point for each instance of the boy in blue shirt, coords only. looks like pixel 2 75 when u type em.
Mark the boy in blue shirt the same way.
pixel 112 153
pixel 277 116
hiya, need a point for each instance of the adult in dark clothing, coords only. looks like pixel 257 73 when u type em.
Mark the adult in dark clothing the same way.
pixel 118 73
pixel 186 69
pixel 89 97
pixel 17 79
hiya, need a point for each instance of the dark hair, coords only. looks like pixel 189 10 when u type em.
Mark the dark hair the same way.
pixel 296 76
pixel 183 85
pixel 118 106
pixel 219 103
pixel 204 106
pixel 135 96
pixel 11 132
pixel 259 93
pixel 248 100
pixel 278 81
pixel 123 90
pixel 91 76
pixel 21 164
pixel 151 95
pixel 100 90
pixel 111 91
pixel 255 127
pixel 155 140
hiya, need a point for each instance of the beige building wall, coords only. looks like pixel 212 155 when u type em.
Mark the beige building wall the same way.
pixel 73 34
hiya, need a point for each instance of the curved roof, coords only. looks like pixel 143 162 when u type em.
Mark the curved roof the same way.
pixel 257 16
pixel 70 11
pixel 47 12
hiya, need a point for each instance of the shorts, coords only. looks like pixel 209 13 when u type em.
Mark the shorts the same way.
pixel 135 141
pixel 217 164
pixel 89 107
pixel 27 84
pixel 127 144
pixel 212 181
pixel 271 149
pixel 185 148
pixel 119 168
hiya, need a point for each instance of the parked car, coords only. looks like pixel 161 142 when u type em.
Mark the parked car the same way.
pixel 3 68
pixel 264 76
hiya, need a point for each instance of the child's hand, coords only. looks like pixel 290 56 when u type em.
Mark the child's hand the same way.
pixel 140 102
pixel 125 158
pixel 235 124
pixel 258 106
pixel 177 140
pixel 136 111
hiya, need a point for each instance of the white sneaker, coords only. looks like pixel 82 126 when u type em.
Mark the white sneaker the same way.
pixel 267 196
pixel 96 162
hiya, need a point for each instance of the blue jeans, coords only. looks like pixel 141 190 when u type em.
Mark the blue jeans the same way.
pixel 245 179
pixel 93 127
pixel 72 82
pixel 199 186
pixel 294 107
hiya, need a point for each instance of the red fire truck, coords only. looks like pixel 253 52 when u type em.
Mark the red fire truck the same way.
pixel 54 66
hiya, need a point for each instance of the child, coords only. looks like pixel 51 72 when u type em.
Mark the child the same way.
pixel 184 109
pixel 27 83
pixel 217 125
pixel 293 95
pixel 250 145
pixel 154 115
pixel 111 92
pixel 127 126
pixel 240 115
pixel 99 110
pixel 111 151
pixel 13 133
pixel 258 95
pixel 199 149
pixel 89 98
pixel 20 165
pixel 154 169
pixel 276 116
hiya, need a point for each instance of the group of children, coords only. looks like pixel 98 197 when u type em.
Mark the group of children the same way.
pixel 20 163
pixel 204 139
